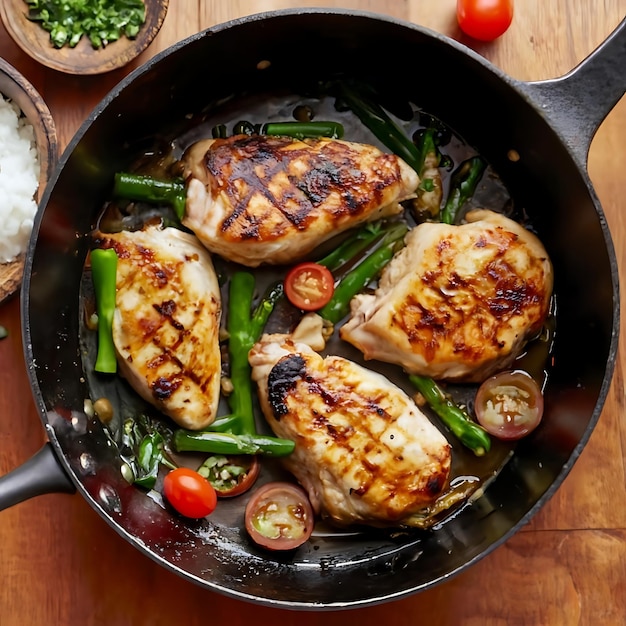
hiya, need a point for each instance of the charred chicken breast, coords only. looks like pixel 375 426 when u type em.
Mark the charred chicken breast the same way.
pixel 458 302
pixel 263 199
pixel 364 451
pixel 166 322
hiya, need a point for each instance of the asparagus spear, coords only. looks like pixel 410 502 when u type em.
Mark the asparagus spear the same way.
pixel 229 443
pixel 366 270
pixel 353 246
pixel 151 190
pixel 103 273
pixel 429 192
pixel 242 337
pixel 383 127
pixel 462 187
pixel 296 129
pixel 237 431
pixel 464 179
pixel 468 432
pixel 301 130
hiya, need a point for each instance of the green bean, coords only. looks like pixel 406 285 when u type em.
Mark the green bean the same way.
pixel 383 127
pixel 229 443
pixel 151 190
pixel 367 269
pixel 353 246
pixel 104 275
pixel 468 432
pixel 302 130
pixel 463 184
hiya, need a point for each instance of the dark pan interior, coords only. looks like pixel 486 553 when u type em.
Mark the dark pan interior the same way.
pixel 466 93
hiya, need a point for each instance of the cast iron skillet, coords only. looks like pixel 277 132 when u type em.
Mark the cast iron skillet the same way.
pixel 550 124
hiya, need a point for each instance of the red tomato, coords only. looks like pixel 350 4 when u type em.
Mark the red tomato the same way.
pixel 509 405
pixel 189 493
pixel 484 19
pixel 309 286
pixel 279 516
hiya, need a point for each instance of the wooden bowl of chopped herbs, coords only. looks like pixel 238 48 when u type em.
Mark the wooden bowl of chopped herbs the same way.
pixel 83 36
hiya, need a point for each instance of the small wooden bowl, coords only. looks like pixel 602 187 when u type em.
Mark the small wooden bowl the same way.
pixel 15 87
pixel 82 59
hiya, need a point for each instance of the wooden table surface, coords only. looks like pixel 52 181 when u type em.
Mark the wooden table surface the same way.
pixel 61 564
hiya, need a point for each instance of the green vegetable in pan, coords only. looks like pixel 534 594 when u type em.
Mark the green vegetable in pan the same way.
pixel 462 187
pixel 151 190
pixel 468 432
pixel 143 449
pixel 103 273
pixel 384 128
pixel 236 433
pixel 229 443
pixel 363 273
pixel 297 130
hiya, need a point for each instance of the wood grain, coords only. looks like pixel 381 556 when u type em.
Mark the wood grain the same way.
pixel 62 565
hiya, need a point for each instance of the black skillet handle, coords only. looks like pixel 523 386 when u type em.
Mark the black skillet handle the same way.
pixel 41 474
pixel 578 102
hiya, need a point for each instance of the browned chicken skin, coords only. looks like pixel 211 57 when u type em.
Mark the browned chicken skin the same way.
pixel 263 199
pixel 458 302
pixel 166 322
pixel 364 451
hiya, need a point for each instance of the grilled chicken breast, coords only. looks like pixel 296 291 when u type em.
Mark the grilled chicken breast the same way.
pixel 166 322
pixel 458 302
pixel 364 451
pixel 262 199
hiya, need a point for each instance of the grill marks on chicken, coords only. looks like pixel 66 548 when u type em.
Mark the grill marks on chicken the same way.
pixel 364 451
pixel 458 302
pixel 166 322
pixel 263 199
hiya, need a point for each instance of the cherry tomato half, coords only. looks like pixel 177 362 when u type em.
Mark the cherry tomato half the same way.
pixel 309 286
pixel 509 405
pixel 189 493
pixel 231 475
pixel 484 20
pixel 279 516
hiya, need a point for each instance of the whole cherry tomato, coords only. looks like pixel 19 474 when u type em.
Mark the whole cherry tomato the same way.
pixel 309 286
pixel 189 493
pixel 484 19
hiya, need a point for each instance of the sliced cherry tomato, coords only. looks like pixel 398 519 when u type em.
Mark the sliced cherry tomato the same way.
pixel 279 516
pixel 189 493
pixel 231 475
pixel 509 405
pixel 485 20
pixel 309 286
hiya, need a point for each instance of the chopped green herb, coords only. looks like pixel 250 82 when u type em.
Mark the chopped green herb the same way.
pixel 102 21
pixel 221 473
pixel 427 184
